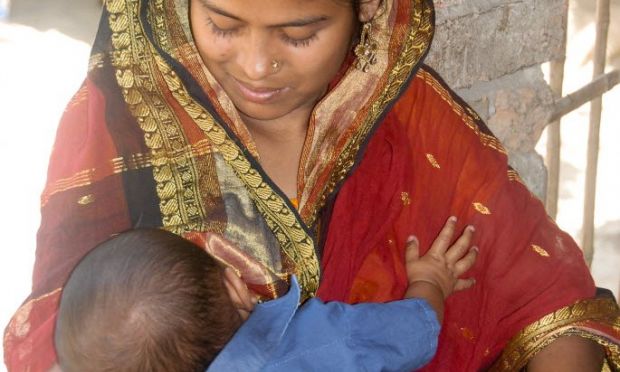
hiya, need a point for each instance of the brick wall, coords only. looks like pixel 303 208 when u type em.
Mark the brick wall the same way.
pixel 491 52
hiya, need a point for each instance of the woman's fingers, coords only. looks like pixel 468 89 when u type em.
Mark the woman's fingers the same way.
pixel 442 243
pixel 461 246
pixel 465 263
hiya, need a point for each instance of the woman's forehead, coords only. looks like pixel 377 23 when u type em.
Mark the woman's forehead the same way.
pixel 277 11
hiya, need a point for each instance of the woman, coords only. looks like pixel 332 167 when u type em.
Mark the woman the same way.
pixel 310 135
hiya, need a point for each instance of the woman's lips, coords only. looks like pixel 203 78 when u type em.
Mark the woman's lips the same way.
pixel 258 94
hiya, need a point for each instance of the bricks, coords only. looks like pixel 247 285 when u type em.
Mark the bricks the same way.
pixel 491 52
pixel 486 39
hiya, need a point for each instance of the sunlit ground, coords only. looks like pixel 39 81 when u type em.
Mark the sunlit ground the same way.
pixel 39 71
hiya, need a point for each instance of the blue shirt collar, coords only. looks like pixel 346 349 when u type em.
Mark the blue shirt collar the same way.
pixel 257 339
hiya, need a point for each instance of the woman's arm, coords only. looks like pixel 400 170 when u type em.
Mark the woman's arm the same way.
pixel 566 354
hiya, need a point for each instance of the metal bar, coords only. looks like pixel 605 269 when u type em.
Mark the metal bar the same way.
pixel 600 54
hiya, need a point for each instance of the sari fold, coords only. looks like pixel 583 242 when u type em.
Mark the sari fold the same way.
pixel 531 279
pixel 152 140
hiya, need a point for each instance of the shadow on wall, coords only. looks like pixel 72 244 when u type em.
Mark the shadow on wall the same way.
pixel 585 16
pixel 76 18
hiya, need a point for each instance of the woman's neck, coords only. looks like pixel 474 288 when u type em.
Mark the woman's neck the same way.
pixel 279 143
pixel 277 131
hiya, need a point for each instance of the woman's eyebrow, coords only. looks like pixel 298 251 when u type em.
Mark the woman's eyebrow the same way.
pixel 301 22
pixel 217 10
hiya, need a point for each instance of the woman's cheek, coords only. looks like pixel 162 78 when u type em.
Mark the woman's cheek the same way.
pixel 219 51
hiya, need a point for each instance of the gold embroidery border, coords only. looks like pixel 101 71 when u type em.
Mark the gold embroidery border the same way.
pixel 82 178
pixel 414 47
pixel 118 165
pixel 612 350
pixel 134 75
pixel 293 239
pixel 514 176
pixel 467 114
pixel 131 57
pixel 533 338
pixel 27 307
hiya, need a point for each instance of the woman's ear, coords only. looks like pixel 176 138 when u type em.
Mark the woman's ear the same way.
pixel 368 9
pixel 241 297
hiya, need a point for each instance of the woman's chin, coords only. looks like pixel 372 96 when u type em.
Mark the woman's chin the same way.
pixel 259 113
pixel 263 112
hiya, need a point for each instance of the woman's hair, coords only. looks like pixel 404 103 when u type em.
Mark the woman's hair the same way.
pixel 145 300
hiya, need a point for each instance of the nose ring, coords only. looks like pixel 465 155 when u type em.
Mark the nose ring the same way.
pixel 275 65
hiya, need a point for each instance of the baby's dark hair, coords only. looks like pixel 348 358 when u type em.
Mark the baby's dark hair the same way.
pixel 145 300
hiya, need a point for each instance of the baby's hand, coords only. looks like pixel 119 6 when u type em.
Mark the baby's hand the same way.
pixel 443 264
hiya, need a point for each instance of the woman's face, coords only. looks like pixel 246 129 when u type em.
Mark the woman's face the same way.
pixel 239 40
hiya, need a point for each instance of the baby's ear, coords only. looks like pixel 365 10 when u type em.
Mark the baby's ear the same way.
pixel 239 294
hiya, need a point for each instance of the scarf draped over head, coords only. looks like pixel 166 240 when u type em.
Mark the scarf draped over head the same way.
pixel 152 140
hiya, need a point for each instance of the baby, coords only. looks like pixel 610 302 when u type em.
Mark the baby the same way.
pixel 149 300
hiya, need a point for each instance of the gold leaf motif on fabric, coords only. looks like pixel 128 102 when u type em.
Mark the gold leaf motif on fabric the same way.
pixel 514 176
pixel 538 249
pixel 86 199
pixel 405 198
pixel 433 161
pixel 481 208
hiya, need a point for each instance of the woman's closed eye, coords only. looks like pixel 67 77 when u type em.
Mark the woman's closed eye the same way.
pixel 221 31
pixel 299 41
pixel 298 38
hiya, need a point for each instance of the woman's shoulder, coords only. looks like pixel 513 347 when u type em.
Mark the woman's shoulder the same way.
pixel 428 90
pixel 429 107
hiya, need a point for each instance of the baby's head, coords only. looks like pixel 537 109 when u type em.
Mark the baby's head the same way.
pixel 145 300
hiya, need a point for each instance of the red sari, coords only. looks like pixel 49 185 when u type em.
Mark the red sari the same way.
pixel 151 140
pixel 436 159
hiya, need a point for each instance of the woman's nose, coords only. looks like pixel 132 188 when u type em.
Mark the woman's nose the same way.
pixel 255 57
